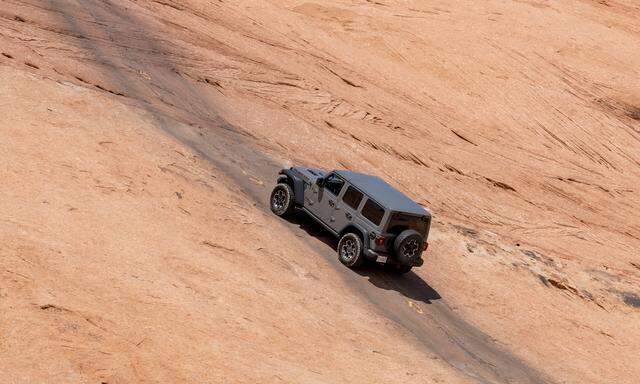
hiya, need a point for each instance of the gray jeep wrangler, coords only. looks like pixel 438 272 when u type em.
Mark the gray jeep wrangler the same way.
pixel 372 220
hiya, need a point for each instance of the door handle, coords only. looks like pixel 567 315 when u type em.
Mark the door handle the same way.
pixel 332 203
pixel 348 215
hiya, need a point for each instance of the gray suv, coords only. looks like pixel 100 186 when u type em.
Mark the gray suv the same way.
pixel 372 220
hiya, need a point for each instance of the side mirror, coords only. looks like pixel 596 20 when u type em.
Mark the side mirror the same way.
pixel 320 182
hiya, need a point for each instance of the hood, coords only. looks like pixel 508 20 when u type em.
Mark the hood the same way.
pixel 309 175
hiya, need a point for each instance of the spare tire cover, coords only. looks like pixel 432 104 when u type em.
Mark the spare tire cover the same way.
pixel 408 246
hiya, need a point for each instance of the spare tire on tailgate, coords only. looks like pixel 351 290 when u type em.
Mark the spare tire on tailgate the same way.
pixel 408 246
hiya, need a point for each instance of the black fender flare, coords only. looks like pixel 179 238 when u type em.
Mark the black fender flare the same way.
pixel 297 184
pixel 358 230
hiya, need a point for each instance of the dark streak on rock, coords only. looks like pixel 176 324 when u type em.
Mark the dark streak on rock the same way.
pixel 631 299
pixel 286 84
pixel 212 82
pixel 454 169
pixel 468 232
pixel 543 280
pixel 100 87
pixel 463 138
pixel 108 90
pixel 345 166
pixel 634 113
pixel 564 286
pixel 53 308
pixel 218 246
pixel 170 5
pixel 535 255
pixel 349 82
pixel 572 180
pixel 500 184
pixel 587 295
pixel 620 108
pixel 531 254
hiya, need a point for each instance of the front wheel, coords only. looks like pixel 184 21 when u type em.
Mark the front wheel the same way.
pixel 350 250
pixel 281 201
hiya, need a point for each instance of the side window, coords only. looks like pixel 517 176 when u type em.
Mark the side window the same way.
pixel 352 197
pixel 373 212
pixel 333 184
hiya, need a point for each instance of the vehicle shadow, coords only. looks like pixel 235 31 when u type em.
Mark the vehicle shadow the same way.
pixel 312 228
pixel 409 285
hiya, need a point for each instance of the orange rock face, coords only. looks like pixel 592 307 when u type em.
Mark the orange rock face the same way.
pixel 140 140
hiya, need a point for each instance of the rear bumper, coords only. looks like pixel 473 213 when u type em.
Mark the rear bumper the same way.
pixel 386 258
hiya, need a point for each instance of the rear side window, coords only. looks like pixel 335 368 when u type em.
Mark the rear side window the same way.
pixel 352 197
pixel 372 212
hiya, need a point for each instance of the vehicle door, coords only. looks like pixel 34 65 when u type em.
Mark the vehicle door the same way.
pixel 346 207
pixel 326 197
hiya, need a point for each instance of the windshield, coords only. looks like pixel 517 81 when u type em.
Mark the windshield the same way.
pixel 401 221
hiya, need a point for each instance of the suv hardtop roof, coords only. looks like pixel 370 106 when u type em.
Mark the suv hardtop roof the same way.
pixel 383 193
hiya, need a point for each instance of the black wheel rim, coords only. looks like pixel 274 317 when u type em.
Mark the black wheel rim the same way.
pixel 410 248
pixel 279 200
pixel 348 250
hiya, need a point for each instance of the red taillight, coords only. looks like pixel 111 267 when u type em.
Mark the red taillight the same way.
pixel 425 246
pixel 379 240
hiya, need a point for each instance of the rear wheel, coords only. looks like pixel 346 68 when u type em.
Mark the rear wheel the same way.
pixel 350 250
pixel 281 201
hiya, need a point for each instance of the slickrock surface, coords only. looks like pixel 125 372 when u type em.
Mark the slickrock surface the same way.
pixel 140 140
